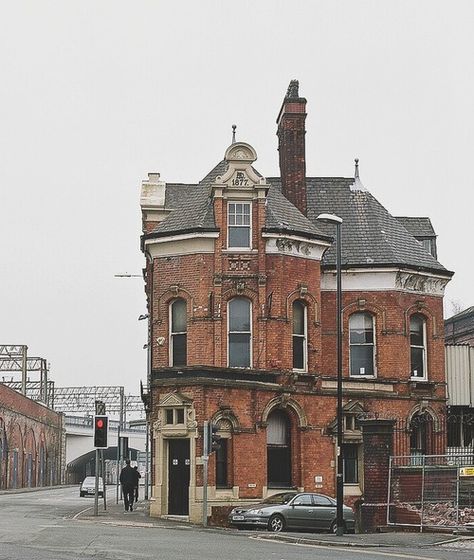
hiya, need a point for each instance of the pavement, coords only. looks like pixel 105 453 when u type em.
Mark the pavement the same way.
pixel 139 517
pixel 115 515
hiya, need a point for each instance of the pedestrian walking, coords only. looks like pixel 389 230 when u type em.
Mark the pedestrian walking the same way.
pixel 137 482
pixel 127 480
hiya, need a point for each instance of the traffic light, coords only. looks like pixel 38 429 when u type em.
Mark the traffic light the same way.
pixel 101 425
pixel 215 438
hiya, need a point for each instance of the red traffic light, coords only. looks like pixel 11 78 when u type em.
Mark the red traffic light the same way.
pixel 100 431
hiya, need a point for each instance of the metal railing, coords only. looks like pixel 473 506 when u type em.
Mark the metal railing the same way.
pixel 431 490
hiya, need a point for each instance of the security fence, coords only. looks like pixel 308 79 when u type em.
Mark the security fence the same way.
pixel 431 490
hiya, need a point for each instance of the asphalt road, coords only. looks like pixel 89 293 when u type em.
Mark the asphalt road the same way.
pixel 44 525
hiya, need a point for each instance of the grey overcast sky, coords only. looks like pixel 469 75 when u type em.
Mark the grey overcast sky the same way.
pixel 95 94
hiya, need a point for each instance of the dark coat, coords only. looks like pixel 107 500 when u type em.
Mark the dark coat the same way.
pixel 128 476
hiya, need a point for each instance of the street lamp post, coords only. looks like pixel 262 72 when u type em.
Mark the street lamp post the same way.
pixel 337 221
pixel 147 440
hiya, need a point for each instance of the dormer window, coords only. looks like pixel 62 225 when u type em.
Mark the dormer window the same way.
pixel 239 225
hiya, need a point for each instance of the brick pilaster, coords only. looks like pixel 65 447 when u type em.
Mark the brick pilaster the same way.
pixel 377 437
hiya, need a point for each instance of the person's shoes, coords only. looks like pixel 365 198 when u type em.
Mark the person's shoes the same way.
pixel 131 509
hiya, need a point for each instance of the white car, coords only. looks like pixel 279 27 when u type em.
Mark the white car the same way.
pixel 88 487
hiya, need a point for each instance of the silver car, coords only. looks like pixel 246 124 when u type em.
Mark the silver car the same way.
pixel 88 487
pixel 291 510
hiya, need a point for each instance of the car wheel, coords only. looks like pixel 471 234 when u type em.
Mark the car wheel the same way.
pixel 81 494
pixel 333 528
pixel 276 523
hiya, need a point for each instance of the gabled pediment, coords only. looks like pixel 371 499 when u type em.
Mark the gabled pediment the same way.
pixel 353 408
pixel 174 399
pixel 239 176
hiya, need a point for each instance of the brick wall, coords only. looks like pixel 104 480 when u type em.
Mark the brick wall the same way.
pixel 31 442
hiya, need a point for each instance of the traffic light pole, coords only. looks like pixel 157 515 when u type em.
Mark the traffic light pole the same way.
pixel 96 495
pixel 104 493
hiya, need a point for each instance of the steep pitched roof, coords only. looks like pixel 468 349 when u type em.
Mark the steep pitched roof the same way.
pixel 461 315
pixel 282 216
pixel 417 226
pixel 191 209
pixel 216 171
pixel 370 235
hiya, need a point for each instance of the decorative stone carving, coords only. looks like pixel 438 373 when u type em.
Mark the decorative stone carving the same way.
pixel 240 287
pixel 419 283
pixel 287 246
pixel 239 264
pixel 240 152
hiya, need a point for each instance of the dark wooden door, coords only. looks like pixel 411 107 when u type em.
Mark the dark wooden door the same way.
pixel 178 476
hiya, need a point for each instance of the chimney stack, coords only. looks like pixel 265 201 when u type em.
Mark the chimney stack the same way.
pixel 291 145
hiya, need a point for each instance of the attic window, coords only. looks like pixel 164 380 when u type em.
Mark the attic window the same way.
pixel 429 245
pixel 238 219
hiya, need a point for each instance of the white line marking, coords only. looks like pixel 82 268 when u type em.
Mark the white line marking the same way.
pixel 81 512
pixel 359 551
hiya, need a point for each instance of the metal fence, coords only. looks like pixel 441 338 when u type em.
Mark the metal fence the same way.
pixel 431 490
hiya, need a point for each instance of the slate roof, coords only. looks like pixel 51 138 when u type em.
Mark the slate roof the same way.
pixel 371 236
pixel 191 209
pixel 218 171
pixel 418 227
pixel 461 315
pixel 282 216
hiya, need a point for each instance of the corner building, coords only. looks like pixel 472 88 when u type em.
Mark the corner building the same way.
pixel 241 290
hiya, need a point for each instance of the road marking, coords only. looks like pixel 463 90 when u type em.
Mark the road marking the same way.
pixel 81 512
pixel 359 551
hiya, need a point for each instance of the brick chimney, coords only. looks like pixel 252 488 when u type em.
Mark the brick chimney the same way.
pixel 291 145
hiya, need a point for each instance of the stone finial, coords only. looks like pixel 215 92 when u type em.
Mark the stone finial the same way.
pixel 357 184
pixel 234 127
pixel 293 89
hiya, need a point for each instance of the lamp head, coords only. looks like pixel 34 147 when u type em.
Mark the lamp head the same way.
pixel 332 218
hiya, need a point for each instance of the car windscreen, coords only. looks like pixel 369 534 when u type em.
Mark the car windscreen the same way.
pixel 91 480
pixel 279 498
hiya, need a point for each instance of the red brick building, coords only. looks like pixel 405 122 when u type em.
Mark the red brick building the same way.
pixel 241 290
pixel 32 442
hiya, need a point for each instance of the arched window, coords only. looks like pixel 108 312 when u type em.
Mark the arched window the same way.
pixel 178 333
pixel 278 450
pixel 224 456
pixel 421 436
pixel 300 352
pixel 362 344
pixel 418 347
pixel 239 328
